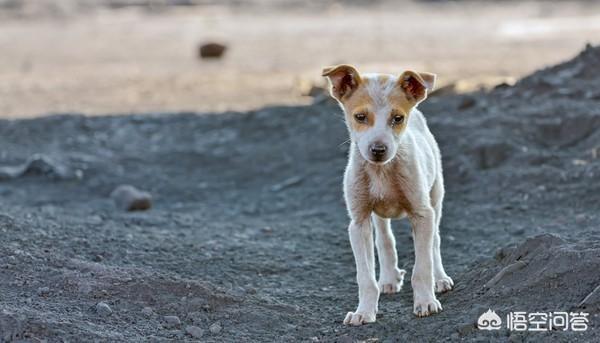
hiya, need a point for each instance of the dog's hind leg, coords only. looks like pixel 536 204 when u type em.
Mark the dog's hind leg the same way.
pixel 391 277
pixel 443 282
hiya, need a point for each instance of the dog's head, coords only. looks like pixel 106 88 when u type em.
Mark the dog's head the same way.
pixel 377 106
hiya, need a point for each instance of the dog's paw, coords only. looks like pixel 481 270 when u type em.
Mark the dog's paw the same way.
pixel 359 318
pixel 443 284
pixel 426 306
pixel 391 282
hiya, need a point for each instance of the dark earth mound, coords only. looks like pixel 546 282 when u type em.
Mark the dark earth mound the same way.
pixel 246 238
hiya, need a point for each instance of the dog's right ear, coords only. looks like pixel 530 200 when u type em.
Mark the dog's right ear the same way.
pixel 343 78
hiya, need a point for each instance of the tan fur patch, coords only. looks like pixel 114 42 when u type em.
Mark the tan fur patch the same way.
pixel 401 105
pixel 359 102
pixel 394 202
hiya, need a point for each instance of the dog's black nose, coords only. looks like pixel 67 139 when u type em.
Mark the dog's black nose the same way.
pixel 378 150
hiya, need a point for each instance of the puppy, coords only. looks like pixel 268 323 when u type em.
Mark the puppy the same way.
pixel 394 170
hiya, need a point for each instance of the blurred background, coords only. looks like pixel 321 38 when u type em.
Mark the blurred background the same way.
pixel 124 56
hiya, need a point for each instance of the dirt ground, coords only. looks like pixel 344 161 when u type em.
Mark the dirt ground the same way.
pixel 70 56
pixel 247 238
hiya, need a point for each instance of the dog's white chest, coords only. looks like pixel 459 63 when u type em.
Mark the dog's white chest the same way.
pixel 387 197
pixel 379 188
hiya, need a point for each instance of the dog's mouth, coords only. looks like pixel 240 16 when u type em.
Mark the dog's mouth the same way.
pixel 378 160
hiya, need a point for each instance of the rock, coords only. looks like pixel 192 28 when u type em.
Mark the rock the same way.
pixel 43 291
pixel 215 328
pixel 147 311
pixel 129 198
pixel 39 165
pixel 103 310
pixel 171 321
pixel 194 331
pixel 211 50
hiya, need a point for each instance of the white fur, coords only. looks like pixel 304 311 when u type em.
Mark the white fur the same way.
pixel 413 169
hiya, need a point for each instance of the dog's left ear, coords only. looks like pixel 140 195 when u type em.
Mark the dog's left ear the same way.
pixel 416 85
pixel 344 80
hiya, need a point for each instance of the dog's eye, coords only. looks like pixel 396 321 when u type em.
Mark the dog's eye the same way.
pixel 360 117
pixel 397 119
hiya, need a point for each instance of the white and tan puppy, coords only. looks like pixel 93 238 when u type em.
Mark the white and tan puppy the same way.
pixel 394 170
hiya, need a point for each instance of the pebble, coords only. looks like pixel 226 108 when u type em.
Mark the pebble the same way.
pixel 43 291
pixel 215 328
pixel 194 331
pixel 147 311
pixel 172 321
pixel 211 50
pixel 103 309
pixel 129 198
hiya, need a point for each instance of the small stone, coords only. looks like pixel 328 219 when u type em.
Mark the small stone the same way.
pixel 43 291
pixel 194 331
pixel 147 311
pixel 215 328
pixel 129 198
pixel 103 310
pixel 172 321
pixel 211 50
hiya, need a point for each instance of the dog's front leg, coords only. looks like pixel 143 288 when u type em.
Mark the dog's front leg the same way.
pixel 425 302
pixel 361 239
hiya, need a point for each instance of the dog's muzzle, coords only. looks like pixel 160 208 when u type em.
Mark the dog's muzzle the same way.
pixel 378 152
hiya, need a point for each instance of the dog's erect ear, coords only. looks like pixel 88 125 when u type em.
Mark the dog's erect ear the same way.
pixel 416 85
pixel 344 79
